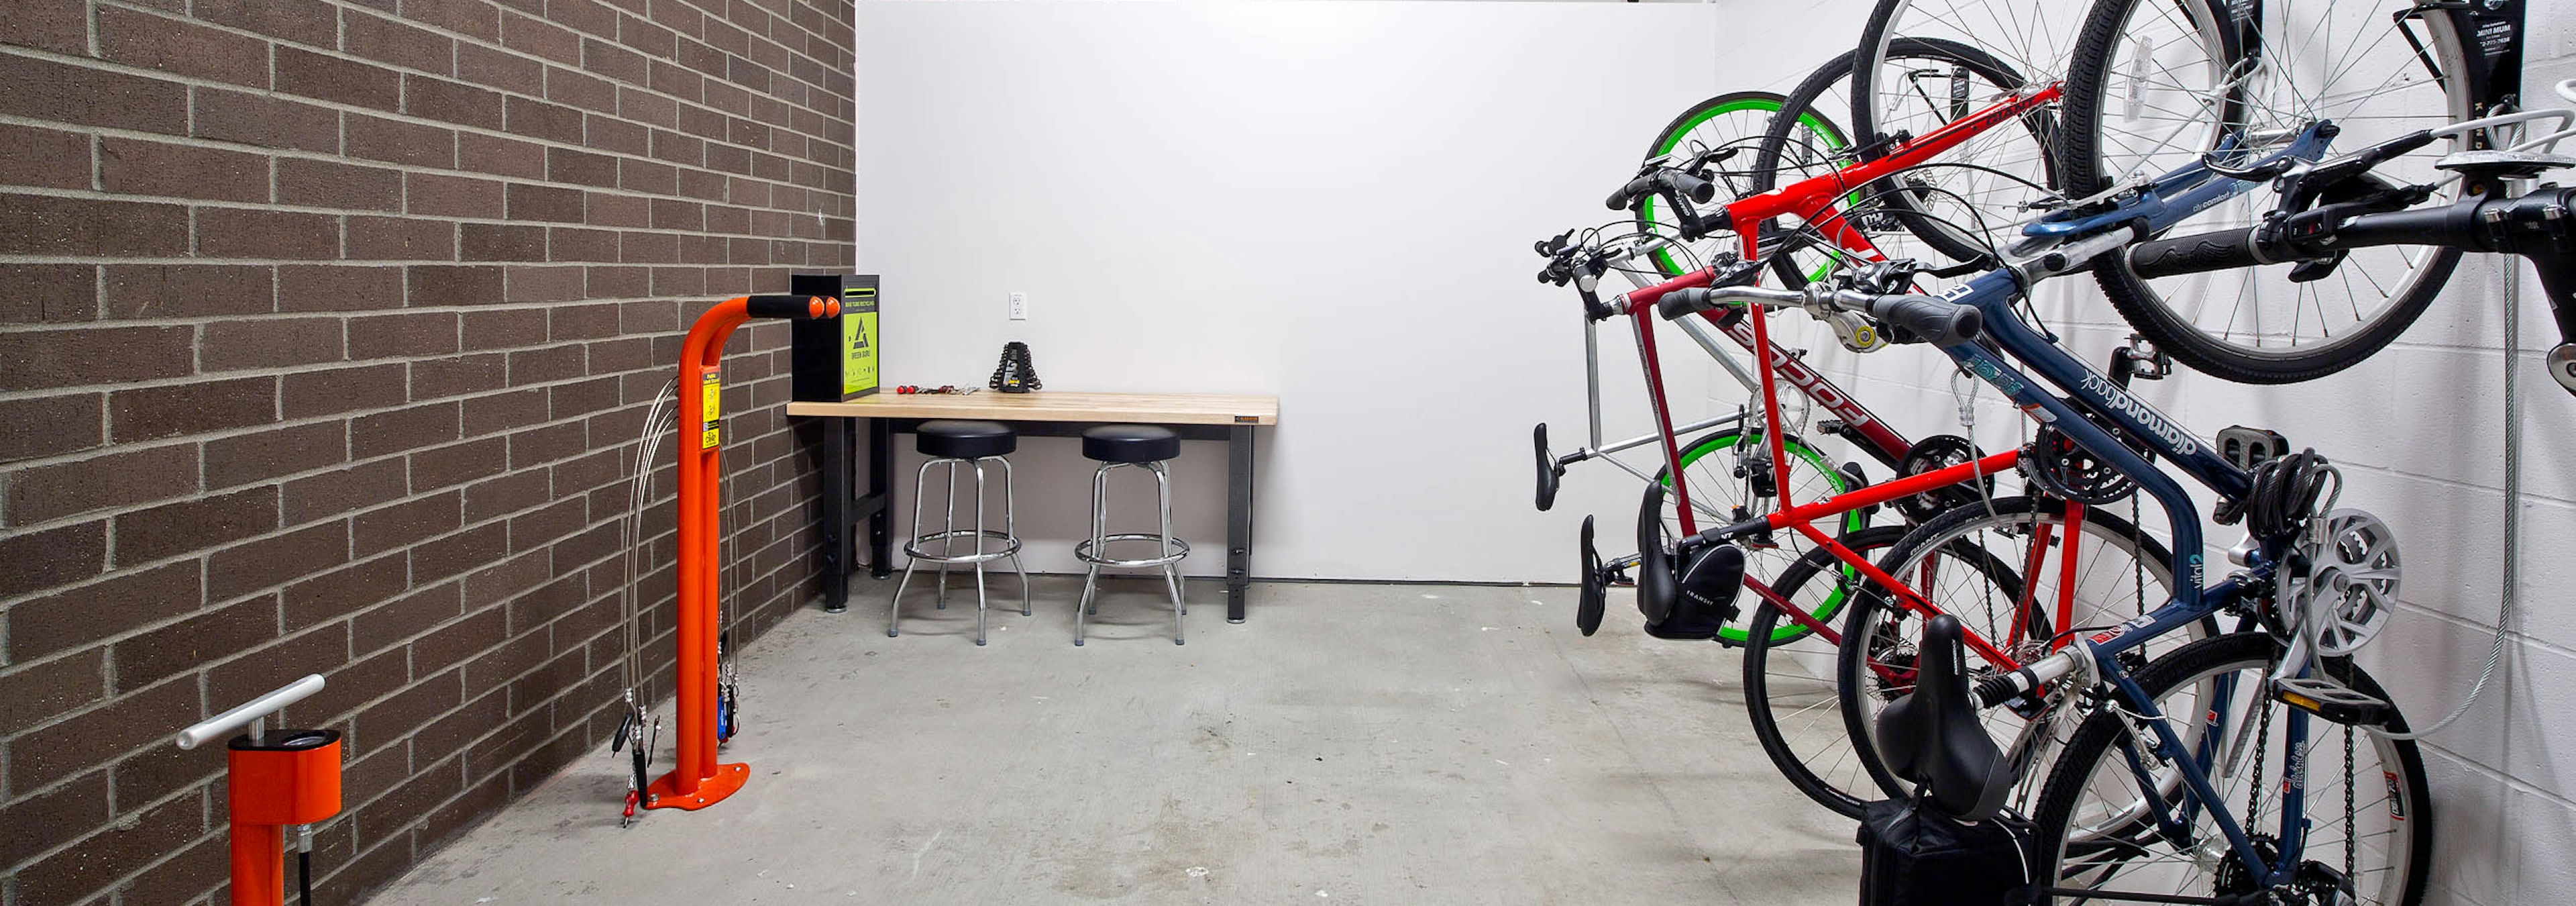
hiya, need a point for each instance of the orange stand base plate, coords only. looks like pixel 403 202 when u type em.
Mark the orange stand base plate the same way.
pixel 664 791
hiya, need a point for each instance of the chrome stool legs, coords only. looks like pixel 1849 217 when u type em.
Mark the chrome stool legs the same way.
pixel 1007 542
pixel 1095 551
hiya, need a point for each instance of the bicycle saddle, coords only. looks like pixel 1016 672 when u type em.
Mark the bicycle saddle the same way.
pixel 1931 736
pixel 2503 164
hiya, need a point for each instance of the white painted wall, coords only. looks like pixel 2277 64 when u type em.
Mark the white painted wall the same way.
pixel 1329 202
pixel 1332 202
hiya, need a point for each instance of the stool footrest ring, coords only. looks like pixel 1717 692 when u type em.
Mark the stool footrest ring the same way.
pixel 1010 545
pixel 1083 551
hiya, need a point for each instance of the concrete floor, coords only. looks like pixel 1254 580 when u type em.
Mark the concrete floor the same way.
pixel 1349 744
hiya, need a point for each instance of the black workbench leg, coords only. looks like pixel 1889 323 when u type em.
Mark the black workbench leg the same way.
pixel 1238 519
pixel 880 481
pixel 836 523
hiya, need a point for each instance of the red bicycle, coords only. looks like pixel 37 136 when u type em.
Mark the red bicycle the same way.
pixel 1815 551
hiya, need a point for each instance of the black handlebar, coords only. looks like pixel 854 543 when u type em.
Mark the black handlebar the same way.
pixel 2540 226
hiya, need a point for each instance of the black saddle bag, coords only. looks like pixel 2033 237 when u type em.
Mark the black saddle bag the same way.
pixel 1688 600
pixel 1916 856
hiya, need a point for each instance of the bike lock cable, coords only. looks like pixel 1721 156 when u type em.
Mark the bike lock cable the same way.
pixel 2512 508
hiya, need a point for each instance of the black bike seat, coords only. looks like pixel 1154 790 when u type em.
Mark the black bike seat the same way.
pixel 2503 164
pixel 1931 737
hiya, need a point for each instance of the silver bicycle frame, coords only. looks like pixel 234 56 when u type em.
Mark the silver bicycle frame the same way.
pixel 1699 333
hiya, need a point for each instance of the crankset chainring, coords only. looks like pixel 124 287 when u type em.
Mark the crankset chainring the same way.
pixel 2233 878
pixel 2067 471
pixel 1939 451
pixel 2350 585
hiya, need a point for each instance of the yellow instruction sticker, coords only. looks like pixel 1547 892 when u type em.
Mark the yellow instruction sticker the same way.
pixel 711 402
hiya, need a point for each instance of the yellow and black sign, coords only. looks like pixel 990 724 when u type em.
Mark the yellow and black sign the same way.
pixel 858 341
pixel 711 402
pixel 836 359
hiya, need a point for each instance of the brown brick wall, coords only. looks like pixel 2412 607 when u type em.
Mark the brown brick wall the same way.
pixel 326 328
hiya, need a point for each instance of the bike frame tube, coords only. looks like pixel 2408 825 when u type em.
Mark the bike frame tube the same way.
pixel 1815 193
pixel 1882 492
pixel 2065 572
pixel 2187 190
pixel 1796 614
pixel 1663 418
pixel 2195 777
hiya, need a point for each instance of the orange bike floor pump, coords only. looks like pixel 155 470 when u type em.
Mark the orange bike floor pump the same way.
pixel 699 781
pixel 274 780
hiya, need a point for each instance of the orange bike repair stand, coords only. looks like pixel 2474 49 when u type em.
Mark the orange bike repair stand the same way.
pixel 275 781
pixel 699 781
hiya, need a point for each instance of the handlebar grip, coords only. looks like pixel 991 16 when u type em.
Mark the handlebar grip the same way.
pixel 1931 319
pixel 1698 190
pixel 1639 186
pixel 2194 254
pixel 1683 302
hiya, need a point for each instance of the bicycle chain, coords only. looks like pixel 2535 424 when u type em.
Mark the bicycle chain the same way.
pixel 2350 820
pixel 2262 744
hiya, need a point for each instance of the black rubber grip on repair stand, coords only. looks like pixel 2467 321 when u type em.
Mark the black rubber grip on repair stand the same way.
pixel 791 307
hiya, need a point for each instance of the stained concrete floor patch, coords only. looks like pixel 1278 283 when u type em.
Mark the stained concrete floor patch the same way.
pixel 1351 744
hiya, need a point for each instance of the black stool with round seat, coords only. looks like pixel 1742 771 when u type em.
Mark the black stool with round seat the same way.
pixel 1130 446
pixel 950 443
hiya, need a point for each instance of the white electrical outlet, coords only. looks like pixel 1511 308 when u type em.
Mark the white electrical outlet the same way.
pixel 1019 306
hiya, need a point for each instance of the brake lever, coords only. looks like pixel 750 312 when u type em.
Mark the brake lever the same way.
pixel 2260 172
pixel 2304 183
pixel 1699 163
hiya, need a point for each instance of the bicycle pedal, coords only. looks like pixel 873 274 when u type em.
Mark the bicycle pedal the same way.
pixel 2333 702
pixel 2246 448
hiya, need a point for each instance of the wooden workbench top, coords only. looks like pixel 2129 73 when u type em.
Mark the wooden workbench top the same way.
pixel 1059 406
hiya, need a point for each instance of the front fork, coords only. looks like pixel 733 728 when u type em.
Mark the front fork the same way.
pixel 2174 824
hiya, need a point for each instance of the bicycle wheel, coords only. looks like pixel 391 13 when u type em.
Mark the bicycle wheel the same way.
pixel 1789 679
pixel 2032 38
pixel 1976 563
pixel 1728 482
pixel 1736 120
pixel 1945 212
pixel 2367 805
pixel 2154 85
